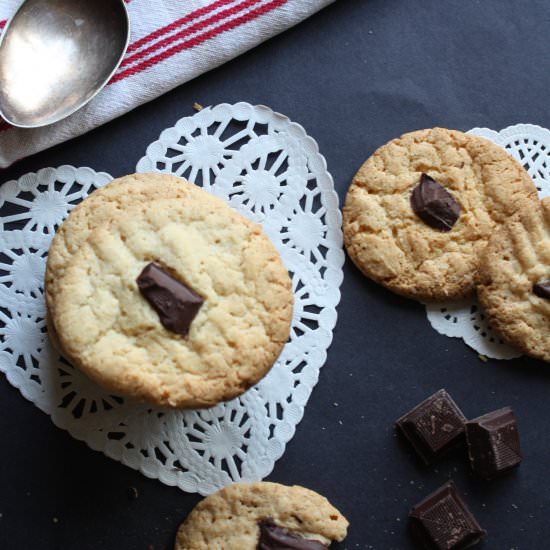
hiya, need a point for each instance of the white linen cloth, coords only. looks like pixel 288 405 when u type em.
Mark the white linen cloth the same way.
pixel 172 41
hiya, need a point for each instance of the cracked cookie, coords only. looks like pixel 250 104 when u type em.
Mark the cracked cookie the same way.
pixel 421 209
pixel 178 301
pixel 100 207
pixel 262 516
pixel 513 283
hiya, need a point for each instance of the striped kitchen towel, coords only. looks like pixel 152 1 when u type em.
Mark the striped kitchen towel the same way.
pixel 172 41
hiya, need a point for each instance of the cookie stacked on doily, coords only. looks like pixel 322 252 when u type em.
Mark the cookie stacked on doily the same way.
pixel 437 213
pixel 162 292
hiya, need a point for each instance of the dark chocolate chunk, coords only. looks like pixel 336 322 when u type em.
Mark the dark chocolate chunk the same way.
pixel 273 537
pixel 434 426
pixel 493 443
pixel 434 205
pixel 442 521
pixel 542 289
pixel 175 303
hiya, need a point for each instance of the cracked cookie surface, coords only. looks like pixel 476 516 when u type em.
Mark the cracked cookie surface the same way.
pixel 517 258
pixel 228 519
pixel 100 207
pixel 114 335
pixel 390 244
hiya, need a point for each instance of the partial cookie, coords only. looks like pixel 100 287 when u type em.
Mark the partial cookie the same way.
pixel 514 280
pixel 242 516
pixel 421 209
pixel 141 331
pixel 101 207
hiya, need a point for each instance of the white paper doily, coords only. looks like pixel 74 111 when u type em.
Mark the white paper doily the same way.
pixel 268 168
pixel 530 145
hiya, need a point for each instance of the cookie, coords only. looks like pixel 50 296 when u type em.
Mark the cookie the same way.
pixel 513 283
pixel 421 209
pixel 100 207
pixel 179 302
pixel 242 515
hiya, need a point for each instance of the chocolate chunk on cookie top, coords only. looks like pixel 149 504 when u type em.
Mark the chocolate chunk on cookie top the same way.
pixel 262 516
pixel 493 443
pixel 434 426
pixel 542 289
pixel 176 304
pixel 443 521
pixel 273 537
pixel 434 205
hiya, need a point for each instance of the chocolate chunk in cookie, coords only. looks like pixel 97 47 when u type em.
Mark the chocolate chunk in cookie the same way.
pixel 273 537
pixel 434 205
pixel 542 289
pixel 175 303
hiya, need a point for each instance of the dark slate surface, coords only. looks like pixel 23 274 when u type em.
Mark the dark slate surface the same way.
pixel 355 75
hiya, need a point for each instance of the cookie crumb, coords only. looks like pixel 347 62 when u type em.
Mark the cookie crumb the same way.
pixel 132 493
pixel 55 520
pixel 483 358
pixel 197 106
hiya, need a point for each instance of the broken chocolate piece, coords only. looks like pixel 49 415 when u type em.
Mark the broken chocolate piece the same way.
pixel 542 289
pixel 442 521
pixel 434 426
pixel 273 537
pixel 493 443
pixel 434 205
pixel 175 303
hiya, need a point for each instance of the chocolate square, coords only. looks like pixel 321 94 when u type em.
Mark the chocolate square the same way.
pixel 493 443
pixel 443 521
pixel 433 427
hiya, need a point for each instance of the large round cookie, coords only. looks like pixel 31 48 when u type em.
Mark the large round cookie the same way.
pixel 114 334
pixel 101 207
pixel 231 518
pixel 516 259
pixel 393 246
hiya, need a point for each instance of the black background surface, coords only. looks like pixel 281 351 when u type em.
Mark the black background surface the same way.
pixel 355 75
